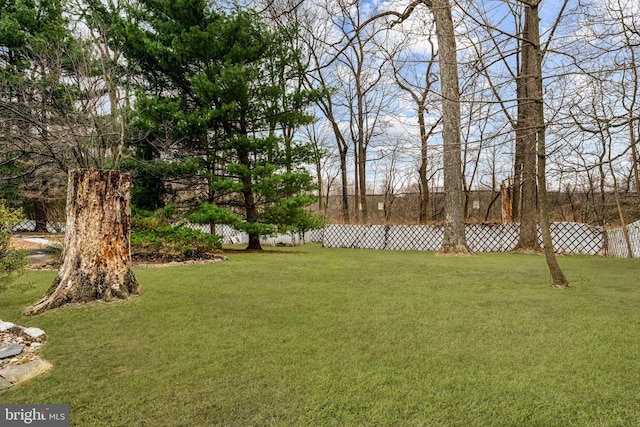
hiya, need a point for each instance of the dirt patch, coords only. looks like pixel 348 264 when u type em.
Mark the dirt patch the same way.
pixel 24 245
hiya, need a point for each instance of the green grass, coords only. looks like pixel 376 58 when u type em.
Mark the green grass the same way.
pixel 317 337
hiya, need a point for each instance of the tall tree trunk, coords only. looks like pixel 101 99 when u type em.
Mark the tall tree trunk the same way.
pixel 527 132
pixel 40 213
pixel 251 211
pixel 422 171
pixel 635 93
pixel 516 191
pixel 356 183
pixel 362 178
pixel 623 223
pixel 345 187
pixel 454 239
pixel 559 279
pixel 96 261
pixel 318 165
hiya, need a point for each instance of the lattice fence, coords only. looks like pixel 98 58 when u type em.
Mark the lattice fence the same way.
pixel 29 225
pixel 567 237
pixel 231 236
pixel 618 245
pixel 576 238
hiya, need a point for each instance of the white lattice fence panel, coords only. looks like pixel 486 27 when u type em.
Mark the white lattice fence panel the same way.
pixel 29 225
pixel 229 234
pixel 314 236
pixel 618 245
pixel 634 236
pixel 289 239
pixel 414 238
pixel 354 236
pixel 575 238
pixel 335 236
pixel 370 237
pixel 492 238
pixel 567 237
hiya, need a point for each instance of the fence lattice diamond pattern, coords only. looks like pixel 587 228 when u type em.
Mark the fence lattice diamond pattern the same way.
pixel 568 237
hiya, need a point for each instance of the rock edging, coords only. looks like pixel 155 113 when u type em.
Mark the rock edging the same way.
pixel 19 359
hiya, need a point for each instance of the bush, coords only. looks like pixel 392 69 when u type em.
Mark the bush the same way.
pixel 173 244
pixel 149 220
pixel 11 261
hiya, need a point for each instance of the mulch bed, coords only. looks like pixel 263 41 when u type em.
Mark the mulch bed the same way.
pixel 45 262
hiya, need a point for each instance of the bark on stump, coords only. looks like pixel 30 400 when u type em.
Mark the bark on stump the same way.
pixel 96 260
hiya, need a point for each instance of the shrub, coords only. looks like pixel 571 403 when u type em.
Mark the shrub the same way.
pixel 149 220
pixel 173 244
pixel 11 261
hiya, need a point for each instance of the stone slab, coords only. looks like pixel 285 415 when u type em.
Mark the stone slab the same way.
pixel 16 374
pixel 34 332
pixel 6 326
pixel 4 384
pixel 10 349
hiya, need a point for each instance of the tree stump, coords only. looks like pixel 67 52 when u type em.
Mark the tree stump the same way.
pixel 96 259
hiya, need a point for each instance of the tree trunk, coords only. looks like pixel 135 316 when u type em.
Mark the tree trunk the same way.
pixel 424 163
pixel 454 239
pixel 254 242
pixel 623 223
pixel 40 213
pixel 96 261
pixel 362 178
pixel 344 187
pixel 559 279
pixel 251 210
pixel 318 165
pixel 527 132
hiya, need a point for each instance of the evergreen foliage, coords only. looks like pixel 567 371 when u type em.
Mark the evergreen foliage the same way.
pixel 222 90
pixel 34 56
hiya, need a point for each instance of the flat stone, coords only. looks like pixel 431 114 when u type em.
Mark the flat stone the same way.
pixel 4 384
pixel 34 332
pixel 6 325
pixel 9 350
pixel 18 373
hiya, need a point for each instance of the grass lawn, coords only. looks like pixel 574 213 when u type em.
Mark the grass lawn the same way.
pixel 316 337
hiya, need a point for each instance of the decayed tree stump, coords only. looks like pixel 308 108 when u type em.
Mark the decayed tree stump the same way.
pixel 96 260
